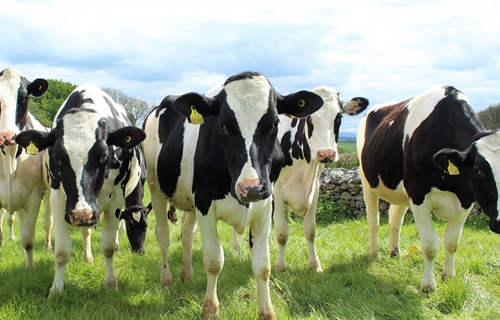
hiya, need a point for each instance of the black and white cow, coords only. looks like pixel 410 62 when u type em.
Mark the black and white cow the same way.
pixel 221 170
pixel 21 182
pixel 429 153
pixel 94 164
pixel 308 144
pixel 135 215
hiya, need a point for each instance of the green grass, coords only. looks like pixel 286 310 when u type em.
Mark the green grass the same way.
pixel 353 285
pixel 347 146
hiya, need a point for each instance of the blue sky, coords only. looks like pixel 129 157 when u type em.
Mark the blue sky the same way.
pixel 381 50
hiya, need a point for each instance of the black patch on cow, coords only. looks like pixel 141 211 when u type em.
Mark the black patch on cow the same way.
pixel 22 103
pixel 310 127
pixel 241 76
pixel 211 180
pixel 383 149
pixel 336 126
pixel 171 136
pixel 300 146
pixel 75 100
pixel 286 146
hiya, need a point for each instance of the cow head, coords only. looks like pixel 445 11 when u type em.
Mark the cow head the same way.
pixel 481 162
pixel 136 225
pixel 83 152
pixel 321 129
pixel 247 108
pixel 15 91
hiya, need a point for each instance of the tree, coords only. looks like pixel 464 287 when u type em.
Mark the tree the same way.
pixel 490 118
pixel 136 109
pixel 44 108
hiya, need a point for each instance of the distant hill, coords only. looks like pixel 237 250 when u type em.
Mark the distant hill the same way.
pixel 347 136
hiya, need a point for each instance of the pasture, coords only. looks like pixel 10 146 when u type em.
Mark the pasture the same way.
pixel 353 286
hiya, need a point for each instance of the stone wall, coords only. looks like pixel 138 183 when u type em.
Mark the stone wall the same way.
pixel 342 184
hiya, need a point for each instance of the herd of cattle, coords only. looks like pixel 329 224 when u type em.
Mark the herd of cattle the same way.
pixel 241 153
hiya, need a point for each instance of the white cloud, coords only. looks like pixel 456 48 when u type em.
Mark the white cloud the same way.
pixel 148 49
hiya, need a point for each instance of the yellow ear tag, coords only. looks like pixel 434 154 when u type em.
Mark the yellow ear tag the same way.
pixel 196 117
pixel 452 169
pixel 128 139
pixel 31 149
pixel 302 103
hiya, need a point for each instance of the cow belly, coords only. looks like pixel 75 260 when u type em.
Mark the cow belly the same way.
pixel 297 185
pixel 446 205
pixel 397 196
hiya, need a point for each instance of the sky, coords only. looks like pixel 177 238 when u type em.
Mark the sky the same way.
pixel 381 50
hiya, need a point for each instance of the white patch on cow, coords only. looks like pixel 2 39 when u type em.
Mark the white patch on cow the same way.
pixel 9 86
pixel 249 100
pixel 323 121
pixel 488 147
pixel 420 107
pixel 136 216
pixel 79 137
pixel 97 95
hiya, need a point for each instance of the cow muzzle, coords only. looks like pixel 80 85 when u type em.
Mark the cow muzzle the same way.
pixel 82 218
pixel 251 190
pixel 7 138
pixel 326 155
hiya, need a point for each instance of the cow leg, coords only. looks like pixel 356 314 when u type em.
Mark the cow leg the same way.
pixel 188 231
pixel 451 239
pixel 47 224
pixel 162 233
pixel 396 216
pixel 372 216
pixel 310 234
pixel 281 229
pixel 28 231
pixel 10 223
pixel 261 264
pixel 108 244
pixel 87 244
pixel 235 242
pixel 213 261
pixel 63 245
pixel 429 243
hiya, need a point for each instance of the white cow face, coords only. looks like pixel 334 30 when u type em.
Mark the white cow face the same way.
pixel 15 91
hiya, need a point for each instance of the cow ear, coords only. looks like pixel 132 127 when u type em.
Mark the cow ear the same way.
pixel 451 160
pixel 300 104
pixel 195 107
pixel 38 87
pixel 355 106
pixel 126 137
pixel 35 141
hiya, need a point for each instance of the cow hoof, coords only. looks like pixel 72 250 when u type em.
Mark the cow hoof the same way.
pixel 429 285
pixel 280 267
pixel 111 285
pixel 269 315
pixel 316 267
pixel 395 252
pixel 210 309
pixel 373 253
pixel 166 280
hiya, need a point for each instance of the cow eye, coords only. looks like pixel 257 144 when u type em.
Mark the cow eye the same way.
pixel 478 173
pixel 222 129
pixel 105 158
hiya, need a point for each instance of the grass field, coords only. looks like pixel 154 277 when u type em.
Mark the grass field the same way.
pixel 347 145
pixel 353 285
